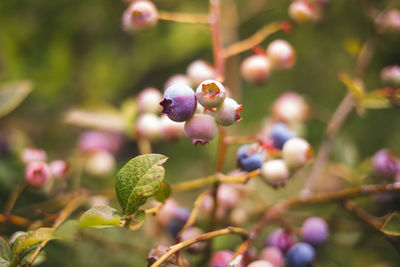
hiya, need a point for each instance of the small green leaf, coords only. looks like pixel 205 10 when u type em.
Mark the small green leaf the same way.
pixel 354 86
pixel 67 231
pixel 100 217
pixel 12 94
pixel 31 238
pixel 6 254
pixel 137 220
pixel 138 180
pixel 164 193
pixel 376 100
pixel 392 225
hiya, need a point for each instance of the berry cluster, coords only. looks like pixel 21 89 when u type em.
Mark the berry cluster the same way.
pixel 37 171
pixel 282 248
pixel 181 102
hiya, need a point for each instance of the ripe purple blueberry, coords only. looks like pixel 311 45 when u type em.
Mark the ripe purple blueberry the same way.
pixel 391 75
pixel 281 239
pixel 385 163
pixel 300 255
pixel 296 152
pixel 227 113
pixel 201 128
pixel 314 231
pixel 179 102
pixel 256 69
pixel 280 134
pixel 250 157
pixel 149 100
pixel 37 173
pixel 140 15
pixel 210 93
pixel 281 54
pixel 179 219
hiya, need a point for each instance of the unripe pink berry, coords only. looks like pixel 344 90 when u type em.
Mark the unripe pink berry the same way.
pixel 391 75
pixel 210 93
pixel 148 126
pixel 260 263
pixel 149 100
pixel 167 212
pixel 281 54
pixel 222 258
pixel 388 21
pixel 275 172
pixel 273 255
pixel 92 141
pixel 296 152
pixel 227 113
pixel 157 252
pixel 303 11
pixel 238 216
pixel 192 232
pixel 59 168
pixel 37 173
pixel 201 128
pixel 281 239
pixel 200 70
pixel 256 69
pixel 171 130
pixel 290 107
pixel 228 196
pixel 177 79
pixel 100 163
pixel 31 154
pixel 140 15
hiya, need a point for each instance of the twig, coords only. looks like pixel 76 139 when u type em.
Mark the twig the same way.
pixel 144 145
pixel 14 196
pixel 177 247
pixel 183 17
pixel 154 210
pixel 221 149
pixel 14 219
pixel 362 214
pixel 240 139
pixel 253 40
pixel 219 59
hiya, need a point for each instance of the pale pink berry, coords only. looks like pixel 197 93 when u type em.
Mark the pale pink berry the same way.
pixel 275 172
pixel 177 79
pixel 260 263
pixel 171 130
pixel 228 196
pixel 201 128
pixel 296 152
pixel 281 54
pixel 37 173
pixel 210 93
pixel 148 126
pixel 303 11
pixel 227 113
pixel 149 100
pixel 92 141
pixel 167 212
pixel 100 163
pixel 256 69
pixel 193 232
pixel 290 107
pixel 140 15
pixel 388 21
pixel 59 168
pixel 31 154
pixel 391 75
pixel 273 255
pixel 200 70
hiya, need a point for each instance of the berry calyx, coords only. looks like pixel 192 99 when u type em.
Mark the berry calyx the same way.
pixel 210 94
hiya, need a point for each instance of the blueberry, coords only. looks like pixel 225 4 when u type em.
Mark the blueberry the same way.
pixel 201 128
pixel 176 224
pixel 248 159
pixel 280 134
pixel 300 255
pixel 281 239
pixel 385 163
pixel 314 231
pixel 179 102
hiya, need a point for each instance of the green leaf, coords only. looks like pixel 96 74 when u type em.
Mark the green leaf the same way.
pixel 392 225
pixel 137 220
pixel 31 238
pixel 376 100
pixel 67 231
pixel 6 254
pixel 164 193
pixel 138 180
pixel 100 217
pixel 354 86
pixel 12 94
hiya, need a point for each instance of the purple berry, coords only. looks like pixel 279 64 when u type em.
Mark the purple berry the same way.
pixel 250 158
pixel 140 15
pixel 314 231
pixel 385 163
pixel 201 128
pixel 37 173
pixel 280 134
pixel 227 113
pixel 281 239
pixel 179 102
pixel 300 255
pixel 193 232
pixel 273 255
pixel 210 93
pixel 157 252
pixel 175 225
pixel 221 258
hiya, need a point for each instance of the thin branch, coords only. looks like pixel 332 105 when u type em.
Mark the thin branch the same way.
pixel 362 214
pixel 14 196
pixel 144 145
pixel 14 219
pixel 222 146
pixel 177 247
pixel 240 139
pixel 253 40
pixel 183 17
pixel 219 59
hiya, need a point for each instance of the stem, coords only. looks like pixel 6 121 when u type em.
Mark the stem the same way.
pixel 14 219
pixel 155 210
pixel 239 139
pixel 221 149
pixel 144 146
pixel 362 214
pixel 14 196
pixel 177 247
pixel 253 40
pixel 183 17
pixel 219 59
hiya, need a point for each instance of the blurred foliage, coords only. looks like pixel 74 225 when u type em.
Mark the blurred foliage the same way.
pixel 77 56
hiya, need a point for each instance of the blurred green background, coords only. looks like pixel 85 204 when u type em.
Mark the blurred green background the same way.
pixel 77 55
